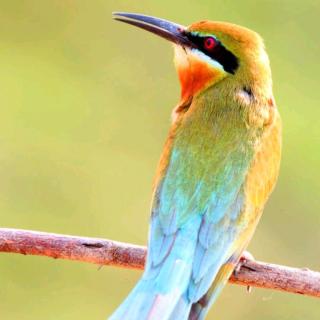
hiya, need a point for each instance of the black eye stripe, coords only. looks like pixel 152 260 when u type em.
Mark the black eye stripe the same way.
pixel 218 53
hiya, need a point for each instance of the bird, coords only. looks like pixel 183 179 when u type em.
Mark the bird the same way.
pixel 219 165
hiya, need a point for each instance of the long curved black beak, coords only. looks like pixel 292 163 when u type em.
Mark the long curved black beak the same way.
pixel 163 28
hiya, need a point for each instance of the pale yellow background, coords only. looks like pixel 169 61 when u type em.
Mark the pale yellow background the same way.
pixel 85 108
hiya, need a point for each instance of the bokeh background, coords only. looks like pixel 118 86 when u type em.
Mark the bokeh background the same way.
pixel 85 108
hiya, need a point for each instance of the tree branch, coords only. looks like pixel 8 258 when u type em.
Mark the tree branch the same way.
pixel 113 253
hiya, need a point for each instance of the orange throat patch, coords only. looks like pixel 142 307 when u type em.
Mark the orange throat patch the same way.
pixel 195 74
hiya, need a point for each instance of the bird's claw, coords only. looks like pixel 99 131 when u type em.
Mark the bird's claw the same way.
pixel 246 256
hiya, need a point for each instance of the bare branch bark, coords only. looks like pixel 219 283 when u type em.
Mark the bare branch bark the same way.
pixel 113 253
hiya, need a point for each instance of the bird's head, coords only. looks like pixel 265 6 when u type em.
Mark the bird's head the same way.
pixel 214 55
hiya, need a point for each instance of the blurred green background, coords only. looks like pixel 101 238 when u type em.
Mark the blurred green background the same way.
pixel 86 104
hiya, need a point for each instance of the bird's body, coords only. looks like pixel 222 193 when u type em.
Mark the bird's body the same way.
pixel 218 167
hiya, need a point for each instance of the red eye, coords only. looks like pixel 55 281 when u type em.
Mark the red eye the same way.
pixel 209 43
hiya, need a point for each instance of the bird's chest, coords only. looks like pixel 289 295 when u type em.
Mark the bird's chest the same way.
pixel 205 161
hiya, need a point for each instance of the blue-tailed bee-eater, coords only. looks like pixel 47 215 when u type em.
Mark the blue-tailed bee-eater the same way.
pixel 218 167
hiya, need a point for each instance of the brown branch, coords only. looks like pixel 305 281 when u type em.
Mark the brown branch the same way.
pixel 113 253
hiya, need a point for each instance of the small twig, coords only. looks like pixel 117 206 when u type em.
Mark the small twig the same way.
pixel 113 253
